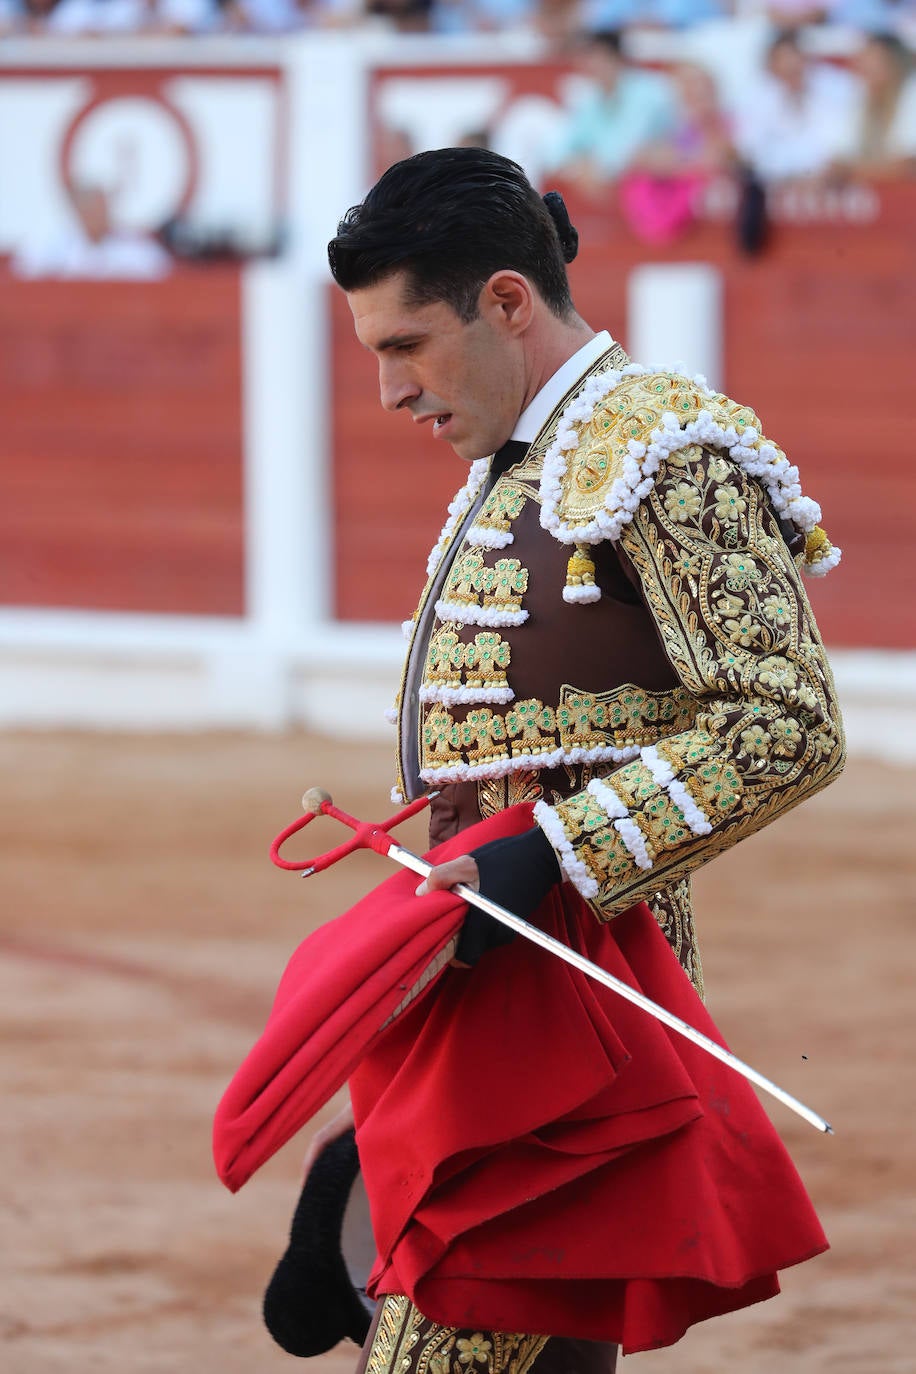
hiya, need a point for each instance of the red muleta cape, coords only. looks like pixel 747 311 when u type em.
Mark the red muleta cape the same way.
pixel 539 1155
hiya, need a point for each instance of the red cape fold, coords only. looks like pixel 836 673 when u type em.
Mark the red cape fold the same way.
pixel 539 1155
pixel 340 986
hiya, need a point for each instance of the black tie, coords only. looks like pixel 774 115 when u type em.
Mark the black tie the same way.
pixel 512 451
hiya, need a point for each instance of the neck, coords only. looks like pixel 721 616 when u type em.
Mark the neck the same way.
pixel 550 347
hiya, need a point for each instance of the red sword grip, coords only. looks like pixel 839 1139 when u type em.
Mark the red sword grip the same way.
pixel 367 834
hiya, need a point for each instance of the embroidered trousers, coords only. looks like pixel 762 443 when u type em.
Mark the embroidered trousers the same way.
pixel 403 1341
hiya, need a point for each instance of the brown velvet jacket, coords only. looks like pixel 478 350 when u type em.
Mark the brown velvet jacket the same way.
pixel 615 627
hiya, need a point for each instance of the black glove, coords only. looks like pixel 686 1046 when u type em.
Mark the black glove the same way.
pixel 517 872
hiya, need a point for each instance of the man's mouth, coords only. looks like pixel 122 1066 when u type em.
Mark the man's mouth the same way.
pixel 440 423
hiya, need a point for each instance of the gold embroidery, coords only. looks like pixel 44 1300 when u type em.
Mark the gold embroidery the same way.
pixel 530 725
pixel 497 794
pixel 737 627
pixel 480 663
pixel 393 1324
pixel 626 717
pixel 663 823
pixel 622 718
pixel 444 658
pixel 672 908
pixel 472 582
pixel 406 1342
pixel 715 787
pixel 466 578
pixel 480 737
pixel 510 584
pixel 526 475
pixel 438 749
pixel 634 784
pixel 628 414
pixel 487 660
pixel 503 505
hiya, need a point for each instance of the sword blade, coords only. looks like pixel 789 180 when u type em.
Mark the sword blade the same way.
pixel 578 961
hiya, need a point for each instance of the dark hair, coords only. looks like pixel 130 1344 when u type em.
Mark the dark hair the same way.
pixel 893 46
pixel 784 38
pixel 610 40
pixel 449 219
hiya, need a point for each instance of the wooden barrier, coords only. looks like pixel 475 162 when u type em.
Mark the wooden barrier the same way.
pixel 121 447
pixel 121 442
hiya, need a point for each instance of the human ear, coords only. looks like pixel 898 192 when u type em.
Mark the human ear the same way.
pixel 508 298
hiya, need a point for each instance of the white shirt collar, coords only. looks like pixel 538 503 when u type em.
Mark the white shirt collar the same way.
pixel 536 413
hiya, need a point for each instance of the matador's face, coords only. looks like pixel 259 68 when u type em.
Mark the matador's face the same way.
pixel 466 380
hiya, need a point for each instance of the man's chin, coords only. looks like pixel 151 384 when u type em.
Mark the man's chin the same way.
pixel 470 452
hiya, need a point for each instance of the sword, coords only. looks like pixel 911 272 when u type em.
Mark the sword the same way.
pixel 317 802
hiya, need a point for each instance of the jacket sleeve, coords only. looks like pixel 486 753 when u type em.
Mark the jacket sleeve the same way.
pixel 727 601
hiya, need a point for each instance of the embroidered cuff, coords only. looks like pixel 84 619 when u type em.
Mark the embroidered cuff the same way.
pixel 573 868
pixel 663 773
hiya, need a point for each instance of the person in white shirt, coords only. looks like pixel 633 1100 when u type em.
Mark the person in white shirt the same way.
pixel 94 249
pixel 793 122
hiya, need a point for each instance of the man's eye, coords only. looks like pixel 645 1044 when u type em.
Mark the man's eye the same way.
pixel 407 347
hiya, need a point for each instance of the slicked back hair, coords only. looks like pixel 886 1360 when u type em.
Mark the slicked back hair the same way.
pixel 449 219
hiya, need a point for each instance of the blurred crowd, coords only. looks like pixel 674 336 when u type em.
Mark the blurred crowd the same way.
pixel 659 139
pixel 555 19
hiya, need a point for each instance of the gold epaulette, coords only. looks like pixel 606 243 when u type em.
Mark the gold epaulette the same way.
pixel 616 434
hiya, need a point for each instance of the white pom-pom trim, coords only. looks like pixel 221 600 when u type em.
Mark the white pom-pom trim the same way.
pixel 640 466
pixel 391 715
pixel 407 627
pixel 461 613
pixel 398 797
pixel 607 799
pixel 482 537
pixel 660 768
pixel 458 508
pixel 823 565
pixel 632 837
pixel 663 773
pixel 456 696
pixel 695 818
pixel 501 768
pixel 573 867
pixel 581 593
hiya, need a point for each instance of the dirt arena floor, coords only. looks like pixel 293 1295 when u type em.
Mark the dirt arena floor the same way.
pixel 142 934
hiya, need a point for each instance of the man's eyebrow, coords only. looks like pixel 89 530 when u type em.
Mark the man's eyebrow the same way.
pixel 396 340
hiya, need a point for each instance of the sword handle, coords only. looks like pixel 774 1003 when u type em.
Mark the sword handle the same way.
pixel 318 802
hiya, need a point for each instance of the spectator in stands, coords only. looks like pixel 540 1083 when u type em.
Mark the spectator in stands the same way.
pixel 403 16
pixel 88 17
pixel 98 18
pixel 792 123
pixel 660 195
pixel 869 16
pixel 287 16
pixel 94 249
pixel 882 131
pixel 181 16
pixel 624 110
pixel 700 140
pixel 31 16
pixel 481 16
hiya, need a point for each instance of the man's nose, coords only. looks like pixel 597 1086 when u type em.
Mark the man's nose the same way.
pixel 396 386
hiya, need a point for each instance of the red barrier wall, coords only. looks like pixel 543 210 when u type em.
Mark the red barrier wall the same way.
pixel 120 444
